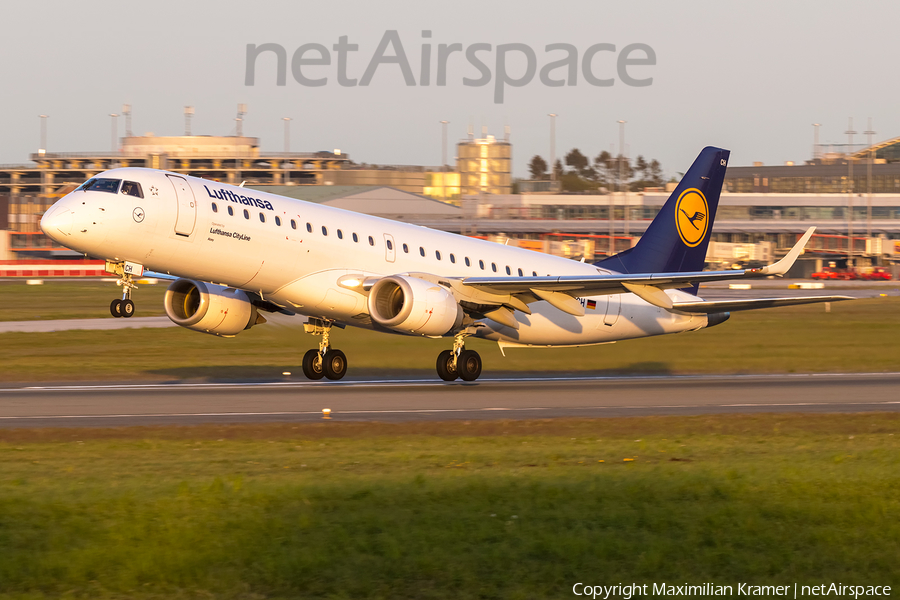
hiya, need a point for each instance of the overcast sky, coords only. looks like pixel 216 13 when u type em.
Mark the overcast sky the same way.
pixel 748 76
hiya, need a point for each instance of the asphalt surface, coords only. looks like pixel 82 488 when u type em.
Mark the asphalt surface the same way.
pixel 417 400
pixel 107 323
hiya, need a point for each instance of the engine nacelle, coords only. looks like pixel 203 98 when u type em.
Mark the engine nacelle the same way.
pixel 413 305
pixel 210 308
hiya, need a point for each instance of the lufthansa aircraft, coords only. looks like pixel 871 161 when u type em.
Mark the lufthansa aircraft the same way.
pixel 237 252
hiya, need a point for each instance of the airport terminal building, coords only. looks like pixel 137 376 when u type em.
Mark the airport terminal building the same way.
pixel 761 206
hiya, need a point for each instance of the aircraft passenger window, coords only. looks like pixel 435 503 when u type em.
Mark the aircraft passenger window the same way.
pixel 104 185
pixel 371 241
pixel 215 208
pixel 452 258
pixel 481 264
pixel 468 264
pixel 534 273
pixel 390 244
pixel 293 224
pixel 324 230
pixel 437 253
pixel 309 227
pixel 340 234
pixel 406 248
pixel 278 221
pixel 246 214
pixel 508 272
pixel 520 273
pixel 421 250
pixel 494 267
pixel 230 212
pixel 132 188
pixel 262 218
pixel 355 238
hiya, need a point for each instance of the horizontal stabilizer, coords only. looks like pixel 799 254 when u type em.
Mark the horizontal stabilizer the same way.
pixel 735 305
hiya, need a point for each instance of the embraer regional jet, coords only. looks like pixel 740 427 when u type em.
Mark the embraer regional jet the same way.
pixel 237 252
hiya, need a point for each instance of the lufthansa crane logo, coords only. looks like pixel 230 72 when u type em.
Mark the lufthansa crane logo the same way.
pixel 691 212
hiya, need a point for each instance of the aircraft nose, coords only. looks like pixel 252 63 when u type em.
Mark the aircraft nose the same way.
pixel 57 222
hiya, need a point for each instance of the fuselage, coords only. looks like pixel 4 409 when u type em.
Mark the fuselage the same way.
pixel 295 253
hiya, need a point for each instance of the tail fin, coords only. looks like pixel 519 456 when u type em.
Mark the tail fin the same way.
pixel 677 239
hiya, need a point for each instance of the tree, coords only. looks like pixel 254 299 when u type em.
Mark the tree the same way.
pixel 619 171
pixel 537 167
pixel 578 161
pixel 558 169
pixel 656 173
pixel 642 168
pixel 601 168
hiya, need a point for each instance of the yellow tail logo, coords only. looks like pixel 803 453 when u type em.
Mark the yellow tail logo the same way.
pixel 690 216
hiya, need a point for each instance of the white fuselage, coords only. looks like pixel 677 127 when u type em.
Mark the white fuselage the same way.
pixel 182 226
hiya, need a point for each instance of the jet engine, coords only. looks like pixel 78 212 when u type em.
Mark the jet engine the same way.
pixel 413 305
pixel 209 308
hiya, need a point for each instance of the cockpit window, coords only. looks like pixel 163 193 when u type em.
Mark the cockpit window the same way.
pixel 103 185
pixel 87 184
pixel 132 188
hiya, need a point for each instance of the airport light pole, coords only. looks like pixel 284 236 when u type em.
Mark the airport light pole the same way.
pixel 612 213
pixel 43 149
pixel 816 140
pixel 444 144
pixel 126 110
pixel 444 160
pixel 188 113
pixel 287 134
pixel 115 123
pixel 287 149
pixel 552 146
pixel 850 187
pixel 242 110
pixel 871 156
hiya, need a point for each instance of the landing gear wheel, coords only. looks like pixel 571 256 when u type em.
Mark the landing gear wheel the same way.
pixel 469 365
pixel 312 365
pixel 126 308
pixel 335 364
pixel 445 368
pixel 115 308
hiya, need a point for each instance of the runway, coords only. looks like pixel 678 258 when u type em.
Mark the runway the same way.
pixel 109 405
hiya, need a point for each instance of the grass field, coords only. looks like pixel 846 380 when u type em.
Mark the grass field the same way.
pixel 448 510
pixel 858 336
pixel 72 299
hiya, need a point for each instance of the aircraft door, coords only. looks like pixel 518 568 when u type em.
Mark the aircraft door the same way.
pixel 186 205
pixel 390 249
pixel 613 307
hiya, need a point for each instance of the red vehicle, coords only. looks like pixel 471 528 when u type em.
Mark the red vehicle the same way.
pixel 834 274
pixel 877 274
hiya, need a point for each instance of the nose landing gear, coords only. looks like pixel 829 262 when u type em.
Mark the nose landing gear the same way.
pixel 125 306
pixel 325 362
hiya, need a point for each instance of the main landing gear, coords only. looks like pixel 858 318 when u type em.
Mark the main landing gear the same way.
pixel 459 362
pixel 125 306
pixel 326 361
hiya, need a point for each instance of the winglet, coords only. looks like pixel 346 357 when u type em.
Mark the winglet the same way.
pixel 784 265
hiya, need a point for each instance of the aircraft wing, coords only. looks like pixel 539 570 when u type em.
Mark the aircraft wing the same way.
pixel 560 291
pixel 735 305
